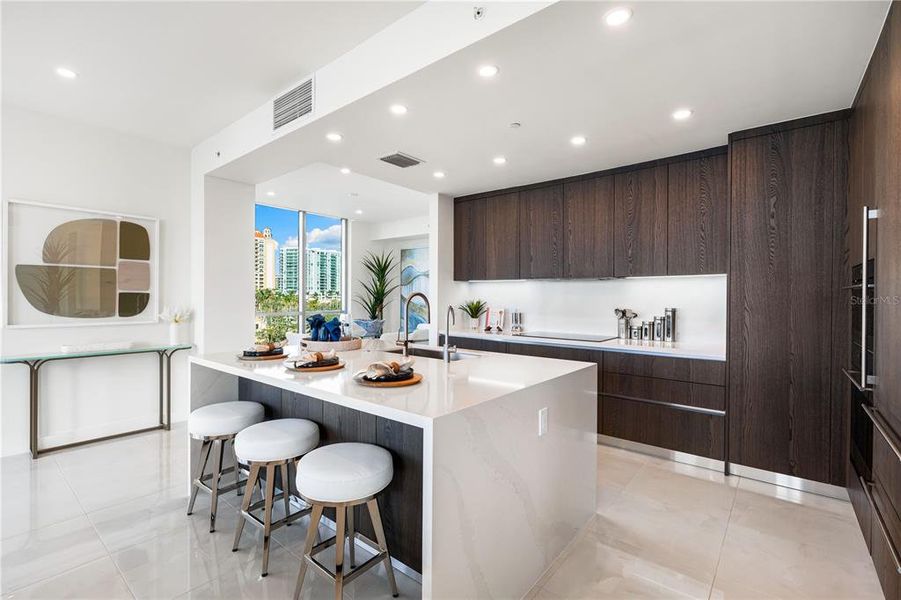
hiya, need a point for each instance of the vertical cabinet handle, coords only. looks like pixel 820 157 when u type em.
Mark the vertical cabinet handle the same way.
pixel 868 214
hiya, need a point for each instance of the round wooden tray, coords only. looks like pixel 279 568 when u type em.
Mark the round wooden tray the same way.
pixel 342 346
pixel 417 377
pixel 259 358
pixel 290 367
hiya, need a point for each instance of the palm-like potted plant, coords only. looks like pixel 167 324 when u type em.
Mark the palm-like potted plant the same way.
pixel 377 291
pixel 474 309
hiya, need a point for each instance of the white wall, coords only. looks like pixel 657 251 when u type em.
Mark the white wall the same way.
pixel 47 159
pixel 587 306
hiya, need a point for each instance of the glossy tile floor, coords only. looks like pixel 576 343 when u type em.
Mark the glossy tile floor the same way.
pixel 668 530
pixel 107 521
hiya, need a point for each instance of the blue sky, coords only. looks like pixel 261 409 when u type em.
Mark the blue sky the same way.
pixel 322 232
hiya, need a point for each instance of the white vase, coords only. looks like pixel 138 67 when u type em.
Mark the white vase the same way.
pixel 176 334
pixel 474 323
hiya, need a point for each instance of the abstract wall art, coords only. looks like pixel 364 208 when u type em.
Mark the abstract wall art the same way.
pixel 414 277
pixel 66 266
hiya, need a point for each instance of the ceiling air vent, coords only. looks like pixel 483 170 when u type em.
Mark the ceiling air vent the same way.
pixel 292 105
pixel 399 159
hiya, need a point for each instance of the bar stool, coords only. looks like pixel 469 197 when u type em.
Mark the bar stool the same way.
pixel 267 446
pixel 342 476
pixel 215 425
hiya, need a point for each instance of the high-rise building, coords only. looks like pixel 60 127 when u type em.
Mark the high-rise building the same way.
pixel 264 252
pixel 323 272
pixel 288 269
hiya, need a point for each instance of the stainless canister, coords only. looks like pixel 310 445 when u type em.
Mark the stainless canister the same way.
pixel 647 330
pixel 636 332
pixel 669 325
pixel 659 327
pixel 623 328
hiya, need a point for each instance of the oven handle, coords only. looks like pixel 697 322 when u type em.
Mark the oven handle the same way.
pixel 882 427
pixel 855 382
pixel 882 526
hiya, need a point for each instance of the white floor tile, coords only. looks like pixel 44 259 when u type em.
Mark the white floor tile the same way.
pixel 97 580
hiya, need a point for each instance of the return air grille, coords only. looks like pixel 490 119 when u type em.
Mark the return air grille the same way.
pixel 292 105
pixel 399 159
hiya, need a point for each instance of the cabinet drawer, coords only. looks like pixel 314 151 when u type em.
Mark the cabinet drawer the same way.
pixel 662 426
pixel 711 372
pixel 697 395
pixel 467 343
pixel 887 472
pixel 881 551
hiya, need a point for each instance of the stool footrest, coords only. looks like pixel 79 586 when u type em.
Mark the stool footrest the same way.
pixel 356 571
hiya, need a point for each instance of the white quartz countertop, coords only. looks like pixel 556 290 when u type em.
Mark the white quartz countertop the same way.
pixel 445 388
pixel 703 351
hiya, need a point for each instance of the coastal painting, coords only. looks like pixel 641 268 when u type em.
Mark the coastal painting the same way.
pixel 414 277
pixel 77 266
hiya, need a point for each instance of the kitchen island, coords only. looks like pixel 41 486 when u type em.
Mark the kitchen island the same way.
pixel 482 501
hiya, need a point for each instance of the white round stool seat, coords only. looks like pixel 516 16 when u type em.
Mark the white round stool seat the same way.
pixel 224 418
pixel 279 439
pixel 344 472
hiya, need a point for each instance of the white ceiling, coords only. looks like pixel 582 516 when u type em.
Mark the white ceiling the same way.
pixel 563 72
pixel 323 189
pixel 175 72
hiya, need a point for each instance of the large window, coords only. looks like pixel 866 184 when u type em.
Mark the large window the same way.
pixel 299 269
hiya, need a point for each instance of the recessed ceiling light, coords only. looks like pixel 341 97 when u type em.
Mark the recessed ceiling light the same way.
pixel 398 109
pixel 334 137
pixel 682 114
pixel 270 193
pixel 618 16
pixel 438 174
pixel 488 71
pixel 66 73
pixel 358 211
pixel 500 160
pixel 345 171
pixel 577 140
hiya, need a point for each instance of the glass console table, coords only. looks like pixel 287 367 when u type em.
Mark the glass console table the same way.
pixel 35 361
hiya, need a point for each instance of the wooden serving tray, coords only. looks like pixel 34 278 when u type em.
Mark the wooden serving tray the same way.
pixel 417 377
pixel 259 358
pixel 340 365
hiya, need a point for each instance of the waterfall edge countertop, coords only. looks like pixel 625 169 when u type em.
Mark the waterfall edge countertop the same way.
pixel 446 388
pixel 695 350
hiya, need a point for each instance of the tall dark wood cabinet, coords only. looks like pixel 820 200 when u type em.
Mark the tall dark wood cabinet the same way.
pixel 541 233
pixel 875 181
pixel 502 237
pixel 788 196
pixel 640 222
pixel 697 216
pixel 469 240
pixel 588 228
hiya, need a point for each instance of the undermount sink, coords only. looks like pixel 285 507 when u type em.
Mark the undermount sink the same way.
pixel 432 352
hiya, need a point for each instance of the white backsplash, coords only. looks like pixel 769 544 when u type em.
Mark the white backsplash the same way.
pixel 587 306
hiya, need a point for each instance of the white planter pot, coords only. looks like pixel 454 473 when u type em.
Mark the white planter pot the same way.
pixel 178 334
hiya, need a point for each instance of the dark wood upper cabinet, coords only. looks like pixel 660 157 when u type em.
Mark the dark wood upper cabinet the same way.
pixel 502 228
pixel 787 216
pixel 640 222
pixel 697 213
pixel 469 240
pixel 541 233
pixel 588 215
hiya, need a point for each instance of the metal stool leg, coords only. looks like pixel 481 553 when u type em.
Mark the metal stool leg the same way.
pixel 245 504
pixel 214 484
pixel 376 518
pixel 286 490
pixel 340 533
pixel 267 518
pixel 202 459
pixel 238 489
pixel 312 535
pixel 351 537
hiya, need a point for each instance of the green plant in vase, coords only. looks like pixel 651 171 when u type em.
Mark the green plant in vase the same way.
pixel 377 291
pixel 474 309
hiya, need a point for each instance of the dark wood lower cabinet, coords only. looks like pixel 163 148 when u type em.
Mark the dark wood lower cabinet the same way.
pixel 662 426
pixel 468 343
pixel 401 502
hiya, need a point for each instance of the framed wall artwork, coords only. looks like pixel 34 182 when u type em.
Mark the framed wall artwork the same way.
pixel 414 277
pixel 67 266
